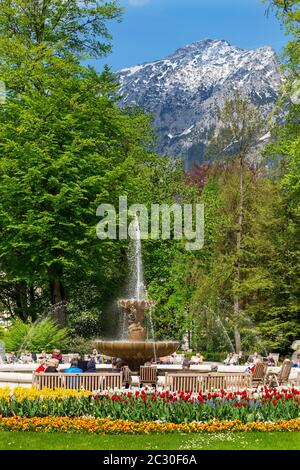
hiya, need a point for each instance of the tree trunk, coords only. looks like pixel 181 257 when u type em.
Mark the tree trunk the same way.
pixel 31 295
pixel 21 309
pixel 237 301
pixel 237 335
pixel 58 299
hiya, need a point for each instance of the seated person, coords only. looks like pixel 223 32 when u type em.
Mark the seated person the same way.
pixel 233 360
pixel 253 359
pixel 43 356
pixel 165 360
pixel 176 358
pixel 270 360
pixel 228 359
pixel 34 357
pixel 12 358
pixel 197 359
pixel 186 364
pixel 26 358
pixel 57 355
pixel 73 369
pixel 52 366
pixel 117 364
pixel 43 366
pixel 297 361
pixel 91 366
pixel 73 382
pixel 81 363
pixel 96 356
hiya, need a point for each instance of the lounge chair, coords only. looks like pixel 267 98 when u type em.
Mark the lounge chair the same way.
pixel 259 374
pixel 148 375
pixel 282 377
pixel 126 376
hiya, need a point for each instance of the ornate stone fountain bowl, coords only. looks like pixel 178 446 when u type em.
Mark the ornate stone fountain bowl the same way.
pixel 136 353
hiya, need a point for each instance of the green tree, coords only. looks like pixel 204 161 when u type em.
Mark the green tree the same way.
pixel 240 126
pixel 283 324
pixel 65 147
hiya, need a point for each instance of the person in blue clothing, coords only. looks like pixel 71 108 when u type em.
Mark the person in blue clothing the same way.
pixel 73 382
pixel 91 366
pixel 73 369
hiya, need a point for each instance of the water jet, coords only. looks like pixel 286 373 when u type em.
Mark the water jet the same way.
pixel 135 350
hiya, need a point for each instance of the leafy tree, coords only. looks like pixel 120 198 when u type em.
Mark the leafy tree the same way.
pixel 288 12
pixel 65 147
pixel 283 324
pixel 240 126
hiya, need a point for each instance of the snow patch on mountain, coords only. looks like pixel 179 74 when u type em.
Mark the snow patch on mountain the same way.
pixel 184 90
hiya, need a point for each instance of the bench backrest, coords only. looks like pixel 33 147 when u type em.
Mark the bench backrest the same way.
pixel 284 373
pixel 80 381
pixel 205 383
pixel 148 375
pixel 126 375
pixel 259 373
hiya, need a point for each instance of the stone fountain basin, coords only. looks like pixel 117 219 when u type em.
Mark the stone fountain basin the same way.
pixel 136 353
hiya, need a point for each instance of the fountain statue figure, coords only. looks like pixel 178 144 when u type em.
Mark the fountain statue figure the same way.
pixel 135 350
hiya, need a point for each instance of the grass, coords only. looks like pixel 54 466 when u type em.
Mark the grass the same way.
pixel 217 441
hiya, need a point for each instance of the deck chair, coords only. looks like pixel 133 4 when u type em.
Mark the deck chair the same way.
pixel 281 378
pixel 259 374
pixel 148 375
pixel 126 376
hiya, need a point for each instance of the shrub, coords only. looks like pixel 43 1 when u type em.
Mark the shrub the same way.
pixel 16 336
pixel 43 334
pixel 80 345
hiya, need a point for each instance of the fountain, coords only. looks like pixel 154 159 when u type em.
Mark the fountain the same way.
pixel 135 350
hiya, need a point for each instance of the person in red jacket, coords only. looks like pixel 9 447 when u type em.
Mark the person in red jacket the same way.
pixel 43 366
pixel 57 355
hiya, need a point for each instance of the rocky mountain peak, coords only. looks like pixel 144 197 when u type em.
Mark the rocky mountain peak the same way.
pixel 184 90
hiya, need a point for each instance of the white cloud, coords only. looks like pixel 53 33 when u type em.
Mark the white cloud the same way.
pixel 138 3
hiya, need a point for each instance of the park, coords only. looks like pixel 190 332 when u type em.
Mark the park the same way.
pixel 172 323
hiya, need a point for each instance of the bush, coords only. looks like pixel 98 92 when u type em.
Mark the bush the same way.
pixel 43 334
pixel 79 345
pixel 16 336
pixel 215 356
pixel 84 323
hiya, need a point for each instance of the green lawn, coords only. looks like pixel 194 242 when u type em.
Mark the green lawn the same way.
pixel 217 441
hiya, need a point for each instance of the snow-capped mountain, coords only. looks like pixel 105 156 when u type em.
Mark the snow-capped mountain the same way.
pixel 184 90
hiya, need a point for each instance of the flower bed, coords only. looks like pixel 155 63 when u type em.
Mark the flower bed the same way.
pixel 148 405
pixel 106 426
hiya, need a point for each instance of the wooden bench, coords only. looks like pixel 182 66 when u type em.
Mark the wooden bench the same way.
pixel 88 381
pixel 148 375
pixel 205 383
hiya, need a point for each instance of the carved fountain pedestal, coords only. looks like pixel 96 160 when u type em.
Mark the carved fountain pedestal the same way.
pixel 136 350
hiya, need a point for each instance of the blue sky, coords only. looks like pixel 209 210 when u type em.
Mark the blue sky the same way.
pixel 152 29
